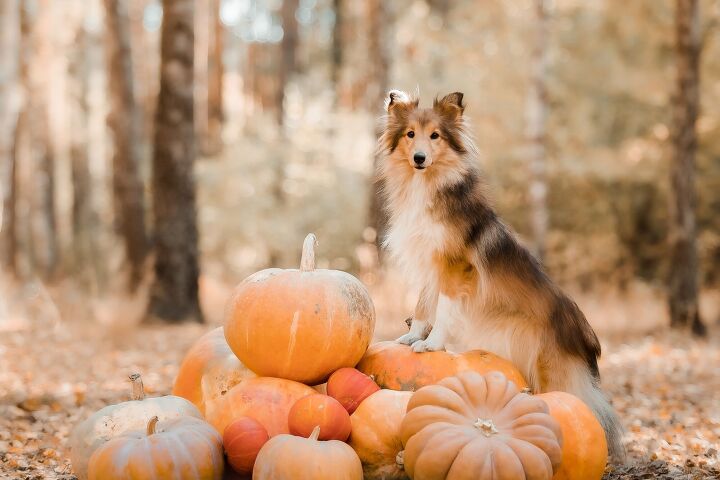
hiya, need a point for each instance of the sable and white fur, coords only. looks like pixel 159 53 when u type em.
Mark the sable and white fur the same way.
pixel 479 287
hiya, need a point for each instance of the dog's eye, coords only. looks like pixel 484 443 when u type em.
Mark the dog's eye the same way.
pixel 435 135
pixel 411 134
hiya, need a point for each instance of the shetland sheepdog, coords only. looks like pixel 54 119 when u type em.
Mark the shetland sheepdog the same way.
pixel 479 288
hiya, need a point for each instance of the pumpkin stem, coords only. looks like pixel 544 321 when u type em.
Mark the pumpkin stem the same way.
pixel 307 260
pixel 315 433
pixel 400 459
pixel 151 425
pixel 487 427
pixel 138 392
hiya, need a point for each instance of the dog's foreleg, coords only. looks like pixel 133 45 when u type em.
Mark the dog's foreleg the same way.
pixel 423 316
pixel 447 313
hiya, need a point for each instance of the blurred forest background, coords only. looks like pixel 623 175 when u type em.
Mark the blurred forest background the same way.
pixel 586 114
pixel 154 153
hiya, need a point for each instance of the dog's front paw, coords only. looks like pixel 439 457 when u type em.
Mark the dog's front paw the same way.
pixel 427 345
pixel 409 338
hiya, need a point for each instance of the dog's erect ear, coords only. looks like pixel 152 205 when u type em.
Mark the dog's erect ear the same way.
pixel 397 98
pixel 450 106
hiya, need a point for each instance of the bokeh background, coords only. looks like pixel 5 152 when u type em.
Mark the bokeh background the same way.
pixel 599 129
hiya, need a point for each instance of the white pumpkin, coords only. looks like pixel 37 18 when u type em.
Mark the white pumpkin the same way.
pixel 114 420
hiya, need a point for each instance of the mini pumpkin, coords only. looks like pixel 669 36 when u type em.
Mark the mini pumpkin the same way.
pixel 184 448
pixel 585 450
pixel 287 457
pixel 375 434
pixel 242 441
pixel 350 387
pixel 209 370
pixel 395 366
pixel 481 427
pixel 114 420
pixel 301 324
pixel 321 411
pixel 268 400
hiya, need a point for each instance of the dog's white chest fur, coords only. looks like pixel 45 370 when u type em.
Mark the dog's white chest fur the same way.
pixel 414 236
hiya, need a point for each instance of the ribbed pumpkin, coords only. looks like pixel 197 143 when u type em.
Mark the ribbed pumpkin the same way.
pixel 300 324
pixel 113 420
pixel 287 457
pixel 321 411
pixel 375 434
pixel 268 400
pixel 395 366
pixel 585 450
pixel 184 448
pixel 242 440
pixel 480 427
pixel 209 370
pixel 350 387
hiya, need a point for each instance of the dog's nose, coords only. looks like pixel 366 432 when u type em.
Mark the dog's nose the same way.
pixel 419 158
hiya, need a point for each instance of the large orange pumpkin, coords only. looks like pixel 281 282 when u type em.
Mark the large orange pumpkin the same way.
pixel 300 324
pixel 375 434
pixel 268 400
pixel 481 427
pixel 395 366
pixel 585 450
pixel 184 448
pixel 209 370
pixel 319 410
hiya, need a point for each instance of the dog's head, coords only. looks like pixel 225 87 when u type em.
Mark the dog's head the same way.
pixel 419 138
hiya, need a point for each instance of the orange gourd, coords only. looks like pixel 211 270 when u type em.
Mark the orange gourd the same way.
pixel 321 411
pixel 395 366
pixel 585 450
pixel 287 457
pixel 350 387
pixel 481 427
pixel 268 400
pixel 209 370
pixel 375 434
pixel 185 448
pixel 300 324
pixel 242 441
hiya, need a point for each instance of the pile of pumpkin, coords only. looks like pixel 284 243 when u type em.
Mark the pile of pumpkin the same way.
pixel 288 389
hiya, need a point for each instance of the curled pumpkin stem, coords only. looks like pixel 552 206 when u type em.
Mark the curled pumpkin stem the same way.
pixel 307 260
pixel 152 423
pixel 138 391
pixel 315 433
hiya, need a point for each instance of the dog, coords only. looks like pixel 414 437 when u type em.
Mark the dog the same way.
pixel 476 280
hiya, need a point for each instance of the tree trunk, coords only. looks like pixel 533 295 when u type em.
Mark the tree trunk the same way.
pixel 536 131
pixel 337 48
pixel 288 55
pixel 9 123
pixel 379 24
pixel 213 141
pixel 128 194
pixel 683 279
pixel 35 22
pixel 174 293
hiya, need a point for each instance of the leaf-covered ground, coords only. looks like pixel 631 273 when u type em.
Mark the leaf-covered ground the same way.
pixel 666 388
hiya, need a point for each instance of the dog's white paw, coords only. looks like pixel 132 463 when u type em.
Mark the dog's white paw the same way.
pixel 409 338
pixel 427 345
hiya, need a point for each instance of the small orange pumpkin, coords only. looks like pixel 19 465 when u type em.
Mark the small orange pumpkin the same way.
pixel 287 457
pixel 209 370
pixel 481 427
pixel 350 387
pixel 395 366
pixel 300 324
pixel 321 411
pixel 268 400
pixel 242 441
pixel 585 450
pixel 184 448
pixel 375 434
